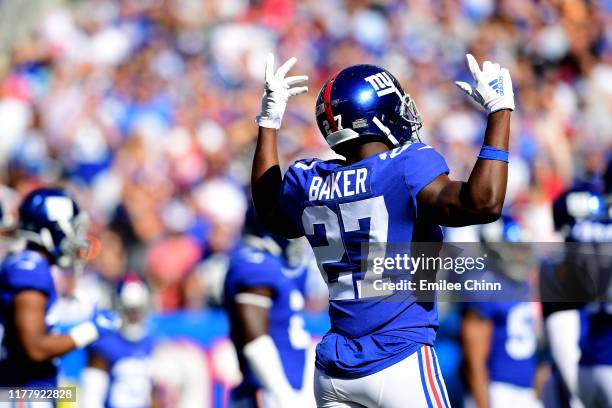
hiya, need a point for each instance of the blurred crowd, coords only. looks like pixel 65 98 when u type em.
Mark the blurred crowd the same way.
pixel 145 110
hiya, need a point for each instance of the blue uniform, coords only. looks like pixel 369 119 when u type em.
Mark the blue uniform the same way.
pixel 340 208
pixel 596 317
pixel 130 383
pixel 596 321
pixel 254 268
pixel 512 357
pixel 27 270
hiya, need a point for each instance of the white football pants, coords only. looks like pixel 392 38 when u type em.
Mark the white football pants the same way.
pixel 595 386
pixel 504 395
pixel 414 382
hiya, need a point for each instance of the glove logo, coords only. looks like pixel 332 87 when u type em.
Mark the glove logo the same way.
pixel 382 83
pixel 498 85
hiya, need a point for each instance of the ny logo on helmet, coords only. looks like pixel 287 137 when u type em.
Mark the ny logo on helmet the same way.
pixel 382 83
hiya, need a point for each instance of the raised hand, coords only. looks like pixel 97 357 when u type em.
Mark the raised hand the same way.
pixel 277 90
pixel 493 88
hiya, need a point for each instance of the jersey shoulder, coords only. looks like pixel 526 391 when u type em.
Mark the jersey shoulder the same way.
pixel 417 164
pixel 251 267
pixel 27 270
pixel 415 160
pixel 302 170
pixel 295 187
pixel 421 165
pixel 106 345
pixel 316 164
pixel 113 346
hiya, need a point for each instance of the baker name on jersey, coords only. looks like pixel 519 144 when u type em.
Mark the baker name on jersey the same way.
pixel 339 184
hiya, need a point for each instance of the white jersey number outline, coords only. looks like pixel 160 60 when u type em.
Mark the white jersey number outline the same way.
pixel 373 208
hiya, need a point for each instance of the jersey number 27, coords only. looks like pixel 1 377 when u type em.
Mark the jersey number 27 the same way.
pixel 374 209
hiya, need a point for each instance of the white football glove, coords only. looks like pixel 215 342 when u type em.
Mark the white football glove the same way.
pixel 277 91
pixel 493 88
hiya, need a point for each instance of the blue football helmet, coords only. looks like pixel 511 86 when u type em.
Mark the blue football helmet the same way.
pixel 133 303
pixel 577 205
pixel 366 102
pixel 49 218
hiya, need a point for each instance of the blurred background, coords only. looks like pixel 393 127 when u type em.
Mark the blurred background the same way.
pixel 145 110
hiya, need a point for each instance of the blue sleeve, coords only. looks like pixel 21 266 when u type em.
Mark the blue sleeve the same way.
pixel 110 346
pixel 29 274
pixel 255 269
pixel 99 347
pixel 292 195
pixel 422 165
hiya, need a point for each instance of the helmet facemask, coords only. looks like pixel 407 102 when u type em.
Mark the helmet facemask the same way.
pixel 74 246
pixel 405 119
pixel 411 116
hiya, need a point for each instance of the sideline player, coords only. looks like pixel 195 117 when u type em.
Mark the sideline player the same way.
pixel 580 332
pixel 54 231
pixel 499 337
pixel 119 373
pixel 264 298
pixel 378 351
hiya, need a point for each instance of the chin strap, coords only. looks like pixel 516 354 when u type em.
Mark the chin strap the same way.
pixel 42 239
pixel 386 131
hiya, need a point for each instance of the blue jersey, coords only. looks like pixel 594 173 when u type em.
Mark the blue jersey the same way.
pixel 596 322
pixel 594 230
pixel 130 383
pixel 26 270
pixel 341 209
pixel 512 356
pixel 596 317
pixel 254 268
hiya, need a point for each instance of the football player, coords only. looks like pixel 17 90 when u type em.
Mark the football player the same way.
pixel 118 374
pixel 54 230
pixel 579 331
pixel 263 296
pixel 378 351
pixel 499 337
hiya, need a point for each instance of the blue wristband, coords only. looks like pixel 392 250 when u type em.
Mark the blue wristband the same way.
pixel 492 153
